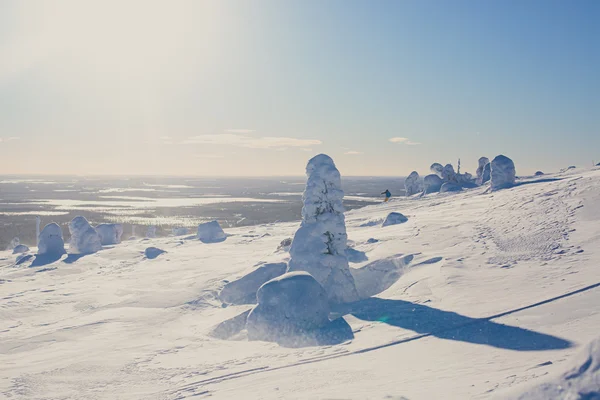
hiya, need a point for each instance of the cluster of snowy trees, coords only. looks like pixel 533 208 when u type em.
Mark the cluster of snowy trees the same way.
pixel 500 172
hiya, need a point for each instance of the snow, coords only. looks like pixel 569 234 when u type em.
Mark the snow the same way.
pixel 211 232
pixel 288 308
pixel 180 231
pixel 319 245
pixel 450 187
pixel 478 295
pixel 432 184
pixel 50 240
pixel 394 218
pixel 437 169
pixel 110 233
pixel 84 238
pixel 243 290
pixel 412 184
pixel 480 177
pixel 151 232
pixel 20 248
pixel 153 252
pixel 581 381
pixel 448 174
pixel 502 173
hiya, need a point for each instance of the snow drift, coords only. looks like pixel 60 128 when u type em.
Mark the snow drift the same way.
pixel 50 241
pixel 84 238
pixel 319 245
pixel 243 290
pixel 394 218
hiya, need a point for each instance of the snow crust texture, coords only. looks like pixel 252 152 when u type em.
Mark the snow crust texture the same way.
pixel 84 238
pixel 319 245
pixel 51 240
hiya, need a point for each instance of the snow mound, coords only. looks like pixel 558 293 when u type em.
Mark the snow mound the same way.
pixel 432 184
pixel 482 162
pixel 211 232
pixel 538 173
pixel 448 174
pixel 394 218
pixel 319 245
pixel 355 256
pixel 502 172
pixel 450 187
pixel 412 184
pixel 20 248
pixel 50 241
pixel 153 252
pixel 243 290
pixel 288 306
pixel 84 238
pixel 437 168
pixel 110 233
pixel 581 381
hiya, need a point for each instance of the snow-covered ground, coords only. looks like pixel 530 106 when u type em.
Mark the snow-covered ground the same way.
pixel 477 295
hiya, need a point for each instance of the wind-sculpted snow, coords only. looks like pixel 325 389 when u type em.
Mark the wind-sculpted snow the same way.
pixel 437 169
pixel 84 238
pixel 394 218
pixel 448 174
pixel 412 184
pixel 450 187
pixel 482 162
pixel 502 173
pixel 580 382
pixel 319 245
pixel 20 248
pixel 110 233
pixel 211 232
pixel 51 240
pixel 243 290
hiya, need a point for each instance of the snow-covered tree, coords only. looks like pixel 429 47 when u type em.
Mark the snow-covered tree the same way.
pixel 502 172
pixel 432 183
pixel 319 245
pixel 448 174
pixel 412 184
pixel 483 161
pixel 110 233
pixel 84 238
pixel 437 169
pixel 50 240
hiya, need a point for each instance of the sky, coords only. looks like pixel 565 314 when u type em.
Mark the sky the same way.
pixel 256 88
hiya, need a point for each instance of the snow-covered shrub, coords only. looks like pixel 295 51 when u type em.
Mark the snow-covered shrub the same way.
pixel 483 161
pixel 289 305
pixel 319 245
pixel 50 241
pixel 502 172
pixel 243 290
pixel 450 187
pixel 84 238
pixel 412 184
pixel 436 168
pixel 580 381
pixel 394 218
pixel 110 233
pixel 432 184
pixel 211 232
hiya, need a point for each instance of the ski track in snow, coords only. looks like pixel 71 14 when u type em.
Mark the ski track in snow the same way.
pixel 116 325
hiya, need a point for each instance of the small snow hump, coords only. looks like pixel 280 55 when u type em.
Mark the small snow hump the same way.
pixel 153 252
pixel 502 173
pixel 243 290
pixel 20 249
pixel 539 173
pixel 84 238
pixel 450 187
pixel 288 306
pixel 394 218
pixel 211 232
pixel 51 241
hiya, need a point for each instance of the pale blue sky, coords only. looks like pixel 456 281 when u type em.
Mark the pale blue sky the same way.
pixel 258 87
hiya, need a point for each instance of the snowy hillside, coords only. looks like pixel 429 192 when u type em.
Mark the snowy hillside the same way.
pixel 476 295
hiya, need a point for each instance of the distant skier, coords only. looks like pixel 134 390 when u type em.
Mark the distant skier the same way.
pixel 387 195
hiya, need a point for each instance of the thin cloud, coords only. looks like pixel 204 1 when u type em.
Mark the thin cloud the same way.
pixel 353 153
pixel 403 140
pixel 240 130
pixel 268 142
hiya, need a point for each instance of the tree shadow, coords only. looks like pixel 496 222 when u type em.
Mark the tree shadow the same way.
pixel 45 259
pixel 545 180
pixel 71 258
pixel 429 321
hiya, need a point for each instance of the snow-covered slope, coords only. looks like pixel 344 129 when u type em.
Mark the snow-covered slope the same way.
pixel 477 295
